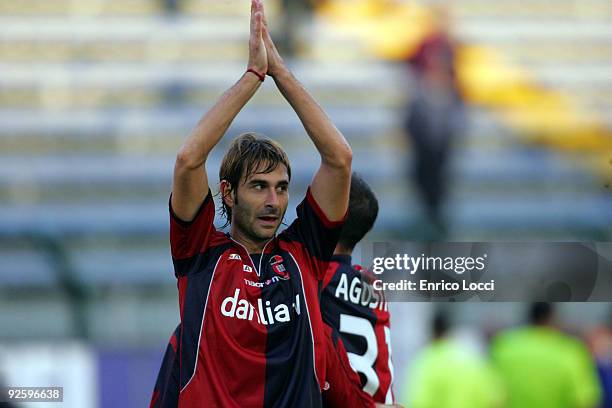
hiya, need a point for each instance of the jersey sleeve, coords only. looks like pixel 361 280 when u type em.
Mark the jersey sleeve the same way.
pixel 187 239
pixel 315 233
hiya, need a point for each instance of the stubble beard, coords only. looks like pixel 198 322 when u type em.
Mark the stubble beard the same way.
pixel 245 222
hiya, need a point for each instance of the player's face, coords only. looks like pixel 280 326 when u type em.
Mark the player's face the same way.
pixel 261 204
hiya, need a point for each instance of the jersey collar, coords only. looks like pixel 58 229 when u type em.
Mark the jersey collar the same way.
pixel 343 259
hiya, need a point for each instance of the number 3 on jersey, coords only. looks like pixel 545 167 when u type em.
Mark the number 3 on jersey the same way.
pixel 364 363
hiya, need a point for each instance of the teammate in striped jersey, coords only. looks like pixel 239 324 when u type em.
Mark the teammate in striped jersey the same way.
pixel 357 312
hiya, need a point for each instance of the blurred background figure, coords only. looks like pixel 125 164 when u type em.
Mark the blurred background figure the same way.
pixel 600 344
pixel 435 117
pixel 541 367
pixel 171 6
pixel 296 19
pixel 448 374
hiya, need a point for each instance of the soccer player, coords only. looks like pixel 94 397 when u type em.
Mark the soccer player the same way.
pixel 251 328
pixel 447 374
pixel 542 367
pixel 358 314
pixel 372 340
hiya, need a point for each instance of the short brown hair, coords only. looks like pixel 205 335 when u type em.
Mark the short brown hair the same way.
pixel 249 153
pixel 362 212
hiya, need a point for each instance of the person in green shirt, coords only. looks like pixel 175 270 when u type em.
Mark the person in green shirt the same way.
pixel 541 367
pixel 448 375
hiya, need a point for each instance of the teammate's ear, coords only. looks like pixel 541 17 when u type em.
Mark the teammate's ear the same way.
pixel 227 193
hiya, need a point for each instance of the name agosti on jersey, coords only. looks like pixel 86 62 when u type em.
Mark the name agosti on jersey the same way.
pixel 251 326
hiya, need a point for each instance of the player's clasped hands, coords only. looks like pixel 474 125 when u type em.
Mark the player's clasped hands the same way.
pixel 263 55
pixel 258 59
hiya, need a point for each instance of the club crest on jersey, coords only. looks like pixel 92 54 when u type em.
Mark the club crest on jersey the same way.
pixel 247 268
pixel 234 257
pixel 278 266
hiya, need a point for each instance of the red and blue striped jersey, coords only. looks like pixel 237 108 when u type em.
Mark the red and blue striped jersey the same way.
pixel 341 389
pixel 360 316
pixel 165 393
pixel 251 334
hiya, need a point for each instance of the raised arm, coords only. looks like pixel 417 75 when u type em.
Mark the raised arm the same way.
pixel 190 183
pixel 331 184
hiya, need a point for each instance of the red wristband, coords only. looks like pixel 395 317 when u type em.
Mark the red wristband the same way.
pixel 261 77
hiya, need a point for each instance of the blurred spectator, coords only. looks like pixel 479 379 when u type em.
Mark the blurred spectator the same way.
pixel 171 7
pixel 544 368
pixel 435 116
pixel 600 342
pixel 295 17
pixel 447 374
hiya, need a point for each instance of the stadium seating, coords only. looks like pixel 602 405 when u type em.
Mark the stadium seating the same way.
pixel 96 97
